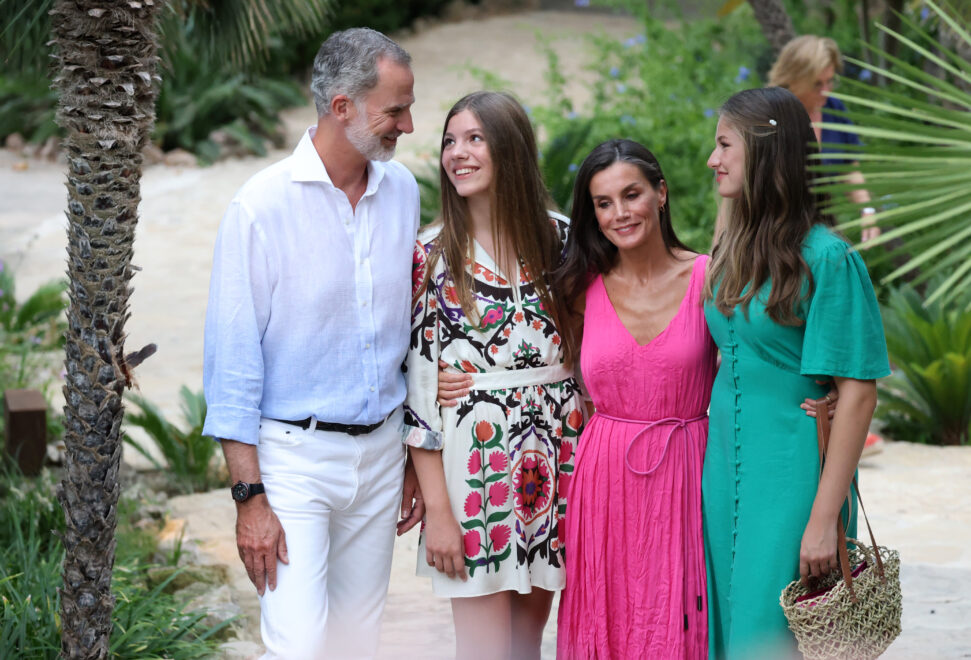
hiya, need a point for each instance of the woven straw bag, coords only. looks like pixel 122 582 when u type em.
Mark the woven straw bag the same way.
pixel 854 612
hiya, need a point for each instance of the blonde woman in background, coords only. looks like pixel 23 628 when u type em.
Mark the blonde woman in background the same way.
pixel 808 66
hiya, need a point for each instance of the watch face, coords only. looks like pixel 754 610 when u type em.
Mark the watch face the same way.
pixel 240 491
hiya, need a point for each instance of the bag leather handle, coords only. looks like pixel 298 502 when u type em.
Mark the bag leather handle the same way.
pixel 822 437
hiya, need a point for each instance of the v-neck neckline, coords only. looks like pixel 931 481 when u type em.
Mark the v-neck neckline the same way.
pixel 483 257
pixel 684 300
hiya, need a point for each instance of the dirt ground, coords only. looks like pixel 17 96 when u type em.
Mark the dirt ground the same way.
pixel 917 496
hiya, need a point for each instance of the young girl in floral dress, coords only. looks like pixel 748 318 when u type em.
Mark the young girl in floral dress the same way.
pixel 492 469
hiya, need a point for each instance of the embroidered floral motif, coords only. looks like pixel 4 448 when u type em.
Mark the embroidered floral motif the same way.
pixel 504 453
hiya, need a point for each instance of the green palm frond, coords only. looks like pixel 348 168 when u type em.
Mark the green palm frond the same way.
pixel 917 156
pixel 241 32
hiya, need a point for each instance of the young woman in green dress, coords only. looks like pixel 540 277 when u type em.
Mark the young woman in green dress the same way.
pixel 789 304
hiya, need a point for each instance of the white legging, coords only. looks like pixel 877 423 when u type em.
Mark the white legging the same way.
pixel 337 497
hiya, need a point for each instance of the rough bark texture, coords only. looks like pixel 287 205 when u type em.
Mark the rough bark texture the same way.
pixel 775 22
pixel 106 74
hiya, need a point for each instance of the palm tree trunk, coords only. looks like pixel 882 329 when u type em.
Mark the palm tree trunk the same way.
pixel 106 74
pixel 775 22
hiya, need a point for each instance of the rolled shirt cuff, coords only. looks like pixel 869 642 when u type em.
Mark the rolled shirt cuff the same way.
pixel 421 438
pixel 228 422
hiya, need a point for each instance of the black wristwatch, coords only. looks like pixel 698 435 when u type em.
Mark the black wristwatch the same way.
pixel 242 491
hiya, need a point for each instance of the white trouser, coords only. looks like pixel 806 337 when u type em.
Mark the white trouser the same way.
pixel 337 497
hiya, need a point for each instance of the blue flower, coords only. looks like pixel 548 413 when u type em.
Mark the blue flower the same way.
pixel 627 119
pixel 581 3
pixel 709 113
pixel 614 72
pixel 1 293
pixel 572 115
pixel 924 13
pixel 573 167
pixel 621 88
pixel 641 39
pixel 743 73
pixel 865 75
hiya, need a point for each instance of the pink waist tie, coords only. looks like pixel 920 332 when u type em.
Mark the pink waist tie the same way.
pixel 690 554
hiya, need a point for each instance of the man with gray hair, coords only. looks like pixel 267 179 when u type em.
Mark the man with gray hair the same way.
pixel 307 328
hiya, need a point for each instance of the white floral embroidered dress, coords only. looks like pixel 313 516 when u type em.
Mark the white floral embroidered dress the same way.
pixel 507 448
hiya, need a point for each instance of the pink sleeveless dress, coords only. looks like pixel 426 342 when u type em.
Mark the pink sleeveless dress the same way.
pixel 635 570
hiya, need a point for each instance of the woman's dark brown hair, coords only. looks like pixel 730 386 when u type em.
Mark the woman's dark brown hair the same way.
pixel 765 227
pixel 588 252
pixel 519 204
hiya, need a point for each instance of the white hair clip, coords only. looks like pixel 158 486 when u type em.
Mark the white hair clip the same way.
pixel 772 122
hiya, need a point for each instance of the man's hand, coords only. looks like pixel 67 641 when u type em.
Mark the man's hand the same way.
pixel 260 541
pixel 412 504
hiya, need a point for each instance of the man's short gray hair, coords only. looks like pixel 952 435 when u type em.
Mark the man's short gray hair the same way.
pixel 347 63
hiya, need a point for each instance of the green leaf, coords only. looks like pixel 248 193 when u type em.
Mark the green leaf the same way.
pixel 497 516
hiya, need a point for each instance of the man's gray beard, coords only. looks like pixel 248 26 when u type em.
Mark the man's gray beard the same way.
pixel 367 143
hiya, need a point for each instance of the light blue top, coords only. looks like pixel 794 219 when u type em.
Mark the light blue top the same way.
pixel 309 301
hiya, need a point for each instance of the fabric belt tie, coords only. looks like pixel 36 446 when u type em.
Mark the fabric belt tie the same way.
pixel 690 554
pixel 349 429
pixel 508 378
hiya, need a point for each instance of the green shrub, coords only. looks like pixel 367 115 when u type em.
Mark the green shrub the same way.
pixel 190 457
pixel 661 88
pixel 31 338
pixel 147 623
pixel 928 398
pixel 384 15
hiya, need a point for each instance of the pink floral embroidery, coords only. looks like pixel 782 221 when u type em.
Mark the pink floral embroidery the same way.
pixel 499 536
pixel 531 484
pixel 475 462
pixel 497 461
pixel 472 542
pixel 498 493
pixel 473 504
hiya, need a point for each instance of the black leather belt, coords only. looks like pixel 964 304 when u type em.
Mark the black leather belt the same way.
pixel 349 429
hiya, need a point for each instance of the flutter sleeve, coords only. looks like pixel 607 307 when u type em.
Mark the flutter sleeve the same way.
pixel 423 420
pixel 844 333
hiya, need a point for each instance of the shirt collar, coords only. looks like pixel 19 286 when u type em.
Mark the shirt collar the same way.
pixel 308 166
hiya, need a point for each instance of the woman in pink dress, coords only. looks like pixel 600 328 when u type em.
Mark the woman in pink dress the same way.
pixel 634 561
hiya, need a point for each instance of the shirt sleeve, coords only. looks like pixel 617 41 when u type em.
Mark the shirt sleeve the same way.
pixel 236 317
pixel 423 420
pixel 844 333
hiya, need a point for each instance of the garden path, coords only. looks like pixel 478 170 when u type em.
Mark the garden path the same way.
pixel 917 495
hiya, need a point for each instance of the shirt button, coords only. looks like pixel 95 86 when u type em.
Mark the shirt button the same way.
pixel 364 304
pixel 367 345
pixel 372 389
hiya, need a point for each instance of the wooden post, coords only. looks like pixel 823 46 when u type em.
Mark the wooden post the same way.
pixel 25 424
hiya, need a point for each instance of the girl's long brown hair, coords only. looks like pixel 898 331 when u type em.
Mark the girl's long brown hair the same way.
pixel 765 227
pixel 519 203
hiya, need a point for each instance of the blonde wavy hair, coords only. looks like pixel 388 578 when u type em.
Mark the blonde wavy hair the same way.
pixel 802 59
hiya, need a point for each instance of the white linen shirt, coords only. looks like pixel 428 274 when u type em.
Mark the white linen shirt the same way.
pixel 309 300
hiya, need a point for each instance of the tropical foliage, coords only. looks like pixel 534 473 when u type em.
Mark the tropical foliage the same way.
pixel 30 334
pixel 216 58
pixel 147 622
pixel 190 457
pixel 928 398
pixel 917 155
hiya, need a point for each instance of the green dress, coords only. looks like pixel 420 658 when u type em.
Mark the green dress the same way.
pixel 761 464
